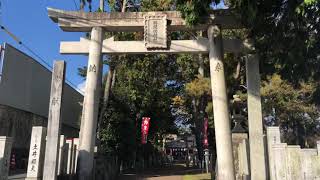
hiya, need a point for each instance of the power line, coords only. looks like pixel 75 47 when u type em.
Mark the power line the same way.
pixel 34 53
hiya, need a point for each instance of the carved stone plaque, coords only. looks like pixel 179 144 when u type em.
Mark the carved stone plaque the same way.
pixel 155 31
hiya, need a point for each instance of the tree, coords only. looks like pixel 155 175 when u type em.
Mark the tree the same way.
pixel 168 87
pixel 292 109
pixel 193 10
pixel 286 36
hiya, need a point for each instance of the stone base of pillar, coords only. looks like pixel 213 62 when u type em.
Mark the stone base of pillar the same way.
pixel 241 155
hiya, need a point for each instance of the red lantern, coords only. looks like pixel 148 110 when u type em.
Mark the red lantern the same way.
pixel 145 129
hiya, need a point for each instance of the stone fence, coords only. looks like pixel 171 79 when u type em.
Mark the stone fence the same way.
pixel 105 168
pixel 286 162
pixel 290 162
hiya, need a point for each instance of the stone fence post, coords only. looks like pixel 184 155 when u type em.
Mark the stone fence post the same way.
pixel 5 153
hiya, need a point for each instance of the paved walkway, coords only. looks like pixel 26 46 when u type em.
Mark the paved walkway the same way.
pixel 175 172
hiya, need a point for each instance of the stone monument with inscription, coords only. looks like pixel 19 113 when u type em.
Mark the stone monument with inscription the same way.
pixel 36 153
pixel 273 137
pixel 53 134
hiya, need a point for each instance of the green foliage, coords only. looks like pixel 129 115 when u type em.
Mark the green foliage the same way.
pixel 286 36
pixel 193 10
pixel 305 4
pixel 157 5
pixel 199 87
pixel 86 2
pixel 82 71
pixel 292 108
pixel 286 40
pixel 142 88
pixel 168 88
pixel 115 5
pixel 209 110
pixel 116 130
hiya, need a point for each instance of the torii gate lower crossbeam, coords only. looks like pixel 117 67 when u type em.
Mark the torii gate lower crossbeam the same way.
pixel 110 46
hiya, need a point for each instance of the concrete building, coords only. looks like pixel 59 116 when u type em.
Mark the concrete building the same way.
pixel 24 99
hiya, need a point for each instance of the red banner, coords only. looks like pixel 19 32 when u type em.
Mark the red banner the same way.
pixel 205 133
pixel 145 129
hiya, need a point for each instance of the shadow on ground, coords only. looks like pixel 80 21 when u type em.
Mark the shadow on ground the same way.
pixel 173 172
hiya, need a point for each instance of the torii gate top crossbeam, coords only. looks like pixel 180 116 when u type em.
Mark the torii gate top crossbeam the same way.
pixel 76 21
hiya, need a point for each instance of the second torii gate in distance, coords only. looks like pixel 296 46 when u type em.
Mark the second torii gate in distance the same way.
pixel 156 25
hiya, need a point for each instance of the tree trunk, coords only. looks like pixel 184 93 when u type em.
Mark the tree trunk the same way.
pixel 238 68
pixel 82 5
pixel 102 5
pixel 124 3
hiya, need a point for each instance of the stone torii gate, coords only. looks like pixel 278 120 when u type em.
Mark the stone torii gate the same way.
pixel 156 25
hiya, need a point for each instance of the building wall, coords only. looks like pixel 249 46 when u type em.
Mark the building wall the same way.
pixel 24 98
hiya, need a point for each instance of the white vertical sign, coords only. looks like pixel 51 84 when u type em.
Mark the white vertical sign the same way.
pixel 36 152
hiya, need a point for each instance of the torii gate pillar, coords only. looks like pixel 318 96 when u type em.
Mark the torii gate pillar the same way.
pixel 220 106
pixel 90 106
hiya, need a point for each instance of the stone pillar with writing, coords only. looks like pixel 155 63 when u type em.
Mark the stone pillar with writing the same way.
pixel 273 137
pixel 54 116
pixel 36 153
pixel 5 152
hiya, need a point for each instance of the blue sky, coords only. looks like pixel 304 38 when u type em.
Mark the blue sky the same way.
pixel 29 21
